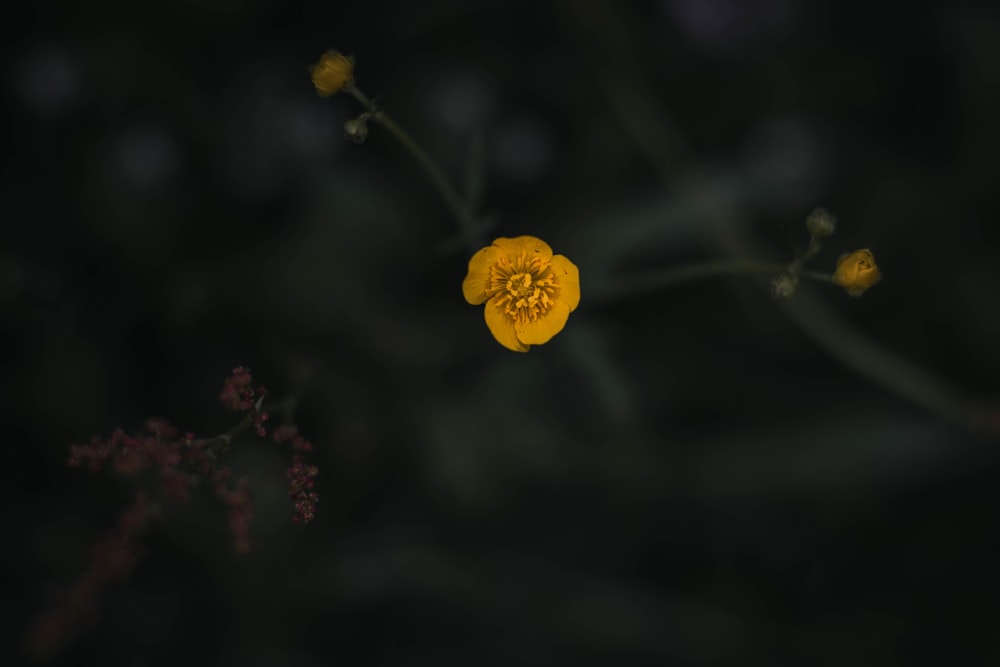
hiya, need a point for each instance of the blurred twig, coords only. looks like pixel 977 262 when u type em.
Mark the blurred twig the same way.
pixel 617 69
pixel 878 363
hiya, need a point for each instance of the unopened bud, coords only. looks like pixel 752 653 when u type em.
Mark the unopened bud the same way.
pixel 783 287
pixel 333 72
pixel 821 223
pixel 856 271
pixel 356 130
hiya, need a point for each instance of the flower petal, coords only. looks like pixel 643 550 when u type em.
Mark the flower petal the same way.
pixel 568 278
pixel 502 327
pixel 545 327
pixel 478 279
pixel 529 245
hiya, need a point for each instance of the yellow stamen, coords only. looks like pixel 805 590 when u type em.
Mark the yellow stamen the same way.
pixel 527 287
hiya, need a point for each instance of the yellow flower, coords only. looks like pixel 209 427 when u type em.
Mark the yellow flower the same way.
pixel 528 291
pixel 332 73
pixel 856 271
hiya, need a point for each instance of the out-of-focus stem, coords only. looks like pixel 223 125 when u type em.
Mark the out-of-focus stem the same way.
pixel 878 363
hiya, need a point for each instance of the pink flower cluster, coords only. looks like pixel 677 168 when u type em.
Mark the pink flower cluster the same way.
pixel 239 395
pixel 181 462
pixel 300 476
pixel 300 491
pixel 131 455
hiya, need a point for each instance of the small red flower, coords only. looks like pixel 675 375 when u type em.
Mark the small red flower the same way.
pixel 303 498
pixel 238 394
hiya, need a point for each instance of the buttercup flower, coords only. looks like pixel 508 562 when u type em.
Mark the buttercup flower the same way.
pixel 856 271
pixel 529 292
pixel 332 73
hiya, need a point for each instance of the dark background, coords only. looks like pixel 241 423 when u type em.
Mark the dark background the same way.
pixel 682 476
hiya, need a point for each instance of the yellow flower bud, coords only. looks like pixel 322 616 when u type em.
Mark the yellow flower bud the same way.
pixel 332 73
pixel 856 271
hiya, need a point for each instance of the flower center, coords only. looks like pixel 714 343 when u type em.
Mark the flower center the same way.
pixel 526 287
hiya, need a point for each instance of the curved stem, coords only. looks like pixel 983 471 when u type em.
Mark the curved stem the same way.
pixel 645 121
pixel 795 268
pixel 880 364
pixel 459 208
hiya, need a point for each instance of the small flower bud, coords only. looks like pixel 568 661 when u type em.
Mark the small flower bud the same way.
pixel 821 223
pixel 856 271
pixel 356 130
pixel 783 287
pixel 333 72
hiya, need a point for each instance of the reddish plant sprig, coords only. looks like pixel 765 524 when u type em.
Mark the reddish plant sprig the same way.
pixel 178 460
pixel 303 498
pixel 301 476
pixel 239 395
pixel 112 559
pixel 182 462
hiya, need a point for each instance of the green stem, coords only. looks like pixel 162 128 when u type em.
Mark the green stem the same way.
pixel 645 121
pixel 856 351
pixel 459 208
pixel 217 444
pixel 795 268
pixel 713 269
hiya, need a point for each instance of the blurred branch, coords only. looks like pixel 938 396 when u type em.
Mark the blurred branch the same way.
pixel 878 363
pixel 629 95
pixel 618 72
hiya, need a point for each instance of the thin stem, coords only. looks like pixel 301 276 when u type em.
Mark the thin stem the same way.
pixel 853 349
pixel 645 121
pixel 713 269
pixel 795 268
pixel 818 276
pixel 217 444
pixel 459 208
